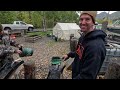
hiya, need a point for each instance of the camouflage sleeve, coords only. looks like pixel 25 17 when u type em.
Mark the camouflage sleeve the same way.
pixel 8 41
pixel 6 50
pixel 1 51
pixel 13 43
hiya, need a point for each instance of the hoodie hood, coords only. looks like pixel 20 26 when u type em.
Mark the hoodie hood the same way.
pixel 96 34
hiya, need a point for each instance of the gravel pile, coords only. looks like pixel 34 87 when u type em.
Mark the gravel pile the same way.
pixel 44 50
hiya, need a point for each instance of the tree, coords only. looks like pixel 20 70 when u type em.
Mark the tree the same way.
pixel 29 12
pixel 7 16
pixel 40 19
pixel 44 21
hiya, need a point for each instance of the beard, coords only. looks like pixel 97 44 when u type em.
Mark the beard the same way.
pixel 86 27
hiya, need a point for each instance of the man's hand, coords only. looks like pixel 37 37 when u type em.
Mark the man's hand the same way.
pixel 18 51
pixel 20 45
pixel 65 57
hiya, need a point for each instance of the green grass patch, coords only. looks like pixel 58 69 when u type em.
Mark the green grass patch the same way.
pixel 40 33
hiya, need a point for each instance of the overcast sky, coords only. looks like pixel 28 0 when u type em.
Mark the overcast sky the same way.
pixel 106 11
pixel 98 12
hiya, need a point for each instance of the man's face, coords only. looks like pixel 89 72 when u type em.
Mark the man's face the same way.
pixel 86 24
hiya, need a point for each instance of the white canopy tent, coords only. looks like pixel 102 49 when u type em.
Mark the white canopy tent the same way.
pixel 64 30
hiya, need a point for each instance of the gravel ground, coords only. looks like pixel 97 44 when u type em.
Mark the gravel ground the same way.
pixel 44 50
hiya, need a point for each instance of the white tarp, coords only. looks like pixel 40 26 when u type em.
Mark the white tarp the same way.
pixel 64 30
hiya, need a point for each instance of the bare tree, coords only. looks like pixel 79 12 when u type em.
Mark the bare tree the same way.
pixel 44 21
pixel 29 12
pixel 108 15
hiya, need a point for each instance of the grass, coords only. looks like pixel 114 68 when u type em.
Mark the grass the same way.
pixel 40 33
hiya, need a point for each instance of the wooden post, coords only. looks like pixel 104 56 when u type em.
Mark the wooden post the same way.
pixel 113 71
pixel 73 44
pixel 25 32
pixel 29 69
pixel 104 25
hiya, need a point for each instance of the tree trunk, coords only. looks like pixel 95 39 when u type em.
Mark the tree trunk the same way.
pixel 73 43
pixel 29 70
pixel 29 16
pixel 44 22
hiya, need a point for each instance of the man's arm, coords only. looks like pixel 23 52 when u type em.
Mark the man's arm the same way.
pixel 71 54
pixel 6 50
pixel 13 43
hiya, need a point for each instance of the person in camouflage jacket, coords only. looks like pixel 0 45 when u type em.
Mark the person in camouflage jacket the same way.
pixel 6 50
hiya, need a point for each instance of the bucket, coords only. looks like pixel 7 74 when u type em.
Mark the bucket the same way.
pixel 56 61
pixel 26 52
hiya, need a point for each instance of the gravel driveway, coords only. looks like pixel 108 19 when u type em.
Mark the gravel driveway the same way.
pixel 44 50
